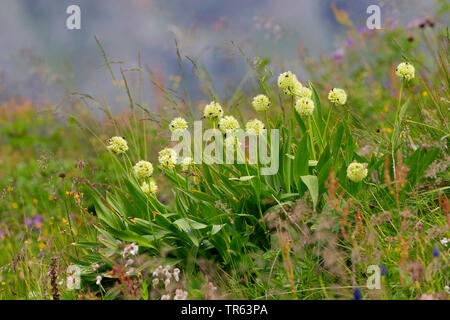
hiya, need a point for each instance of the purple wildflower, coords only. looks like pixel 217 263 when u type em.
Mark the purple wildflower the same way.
pixel 37 221
pixel 350 42
pixel 383 270
pixel 28 222
pixel 357 294
pixel 435 252
pixel 338 54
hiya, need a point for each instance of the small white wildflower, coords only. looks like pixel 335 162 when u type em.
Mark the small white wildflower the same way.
pixel 132 249
pixel 176 274
pixel 212 286
pixel 165 297
pixel 99 279
pixel 447 289
pixel 444 241
pixel 155 282
pixel 180 294
pixel 167 282
pixel 129 262
pixel 157 271
pixel 167 268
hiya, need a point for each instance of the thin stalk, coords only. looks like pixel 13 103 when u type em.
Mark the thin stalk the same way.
pixel 310 133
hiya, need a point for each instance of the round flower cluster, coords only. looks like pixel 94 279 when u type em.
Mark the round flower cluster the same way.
pixel 178 124
pixel 337 96
pixel 228 123
pixel 213 111
pixel 287 81
pixel 405 70
pixel 261 102
pixel 186 163
pixel 304 106
pixel 117 145
pixel 356 172
pixel 151 188
pixel 167 158
pixel 143 169
pixel 255 127
pixel 304 92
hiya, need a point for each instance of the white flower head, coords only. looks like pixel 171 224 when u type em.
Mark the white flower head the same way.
pixel 356 172
pixel 261 102
pixel 228 124
pixel 304 106
pixel 337 96
pixel 149 188
pixel 178 124
pixel 287 81
pixel 213 111
pixel 167 158
pixel 117 145
pixel 255 127
pixel 143 169
pixel 405 70
pixel 304 92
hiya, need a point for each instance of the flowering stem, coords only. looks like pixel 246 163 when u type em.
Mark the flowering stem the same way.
pixel 397 114
pixel 311 138
pixel 328 120
pixel 267 124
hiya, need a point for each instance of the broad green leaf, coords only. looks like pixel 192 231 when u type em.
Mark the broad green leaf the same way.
pixel 186 223
pixel 313 187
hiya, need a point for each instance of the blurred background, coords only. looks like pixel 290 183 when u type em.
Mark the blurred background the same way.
pixel 43 61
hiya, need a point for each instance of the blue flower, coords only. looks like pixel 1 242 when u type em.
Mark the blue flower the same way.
pixel 383 270
pixel 435 252
pixel 357 294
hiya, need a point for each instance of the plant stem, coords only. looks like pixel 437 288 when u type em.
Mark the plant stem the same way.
pixel 311 138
